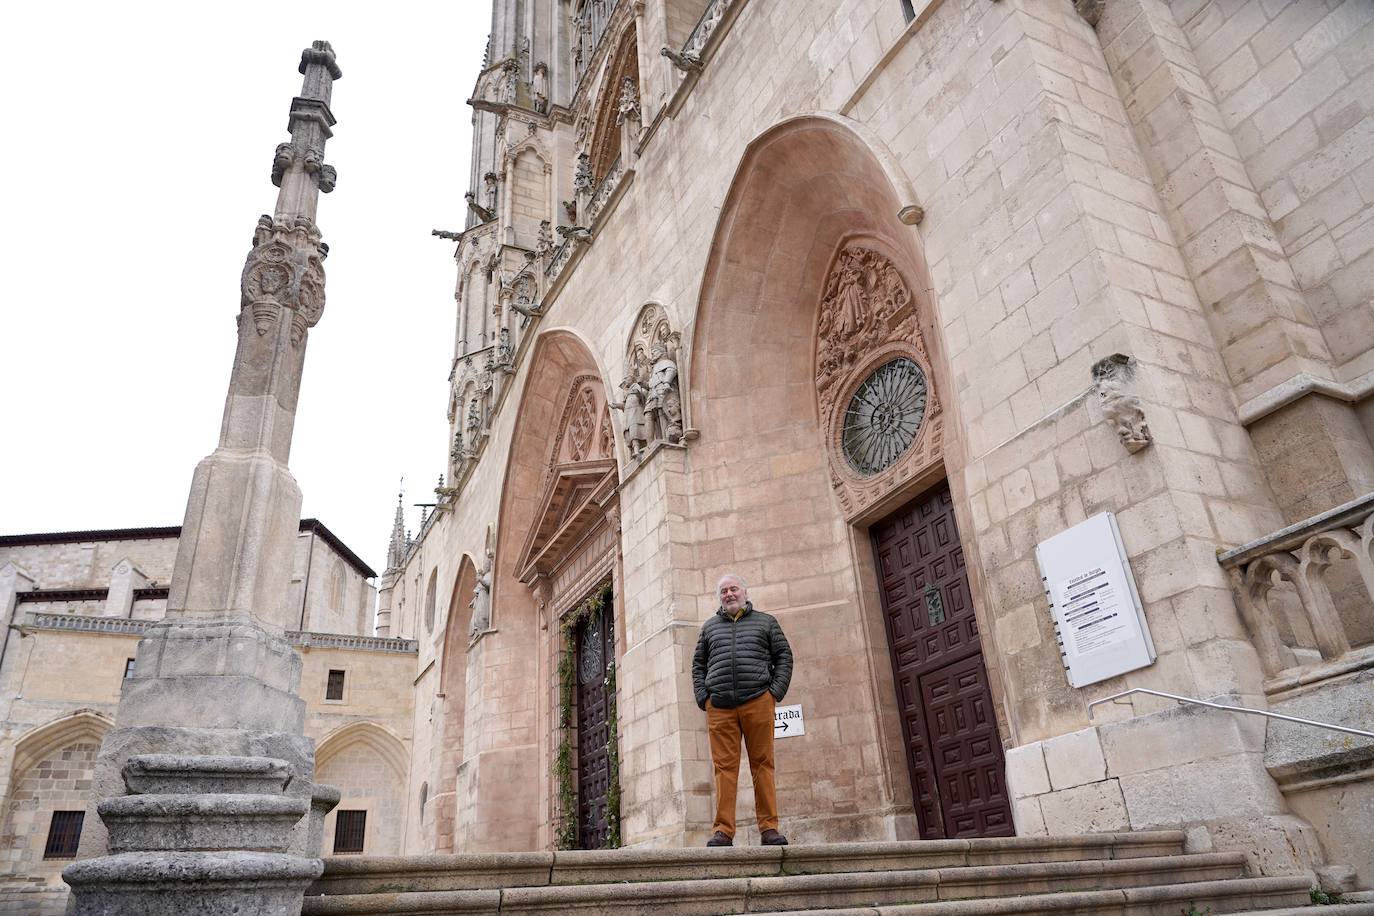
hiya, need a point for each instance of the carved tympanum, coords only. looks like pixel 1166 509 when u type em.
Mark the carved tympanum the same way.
pixel 880 415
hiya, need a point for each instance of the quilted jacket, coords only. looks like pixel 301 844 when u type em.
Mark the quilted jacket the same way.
pixel 737 660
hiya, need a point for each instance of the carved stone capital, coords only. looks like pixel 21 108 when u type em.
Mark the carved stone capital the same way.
pixel 284 270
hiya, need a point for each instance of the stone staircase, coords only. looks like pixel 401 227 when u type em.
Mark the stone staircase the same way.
pixel 1123 874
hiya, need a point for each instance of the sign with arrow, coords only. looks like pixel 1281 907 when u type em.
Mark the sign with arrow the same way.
pixel 788 722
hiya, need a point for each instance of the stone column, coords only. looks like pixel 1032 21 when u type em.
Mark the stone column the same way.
pixel 202 787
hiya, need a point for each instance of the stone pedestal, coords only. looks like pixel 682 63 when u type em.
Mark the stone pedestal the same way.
pixel 199 834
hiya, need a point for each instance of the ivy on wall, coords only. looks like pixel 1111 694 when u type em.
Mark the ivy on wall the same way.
pixel 566 831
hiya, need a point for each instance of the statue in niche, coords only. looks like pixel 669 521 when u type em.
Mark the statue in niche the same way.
pixel 629 103
pixel 540 88
pixel 663 406
pixel 505 354
pixel 456 455
pixel 473 427
pixel 634 424
pixel 481 600
pixel 1112 378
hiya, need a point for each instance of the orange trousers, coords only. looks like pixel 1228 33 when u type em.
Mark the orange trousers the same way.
pixel 754 723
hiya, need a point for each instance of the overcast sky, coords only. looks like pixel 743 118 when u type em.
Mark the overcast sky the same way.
pixel 140 140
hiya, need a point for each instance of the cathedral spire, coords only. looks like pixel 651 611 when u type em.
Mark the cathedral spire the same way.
pixel 396 548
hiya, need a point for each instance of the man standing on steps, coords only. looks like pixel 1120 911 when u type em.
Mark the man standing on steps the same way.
pixel 740 671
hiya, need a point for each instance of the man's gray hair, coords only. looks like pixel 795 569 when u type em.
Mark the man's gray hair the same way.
pixel 742 584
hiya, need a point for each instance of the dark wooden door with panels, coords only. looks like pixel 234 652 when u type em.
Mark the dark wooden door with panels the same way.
pixel 954 752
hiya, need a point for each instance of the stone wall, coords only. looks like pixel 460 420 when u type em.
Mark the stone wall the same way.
pixel 1085 193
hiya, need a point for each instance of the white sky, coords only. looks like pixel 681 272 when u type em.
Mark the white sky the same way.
pixel 136 161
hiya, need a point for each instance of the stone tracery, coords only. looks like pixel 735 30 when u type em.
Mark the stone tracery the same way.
pixel 867 321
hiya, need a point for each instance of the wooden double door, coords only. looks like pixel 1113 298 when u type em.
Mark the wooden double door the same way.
pixel 953 749
pixel 594 651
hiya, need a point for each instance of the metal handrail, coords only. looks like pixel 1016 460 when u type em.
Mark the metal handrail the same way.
pixel 1242 709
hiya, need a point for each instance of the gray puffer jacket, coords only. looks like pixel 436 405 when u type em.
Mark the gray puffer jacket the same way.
pixel 737 660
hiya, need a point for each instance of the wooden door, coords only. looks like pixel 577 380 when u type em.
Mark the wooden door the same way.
pixel 595 648
pixel 953 749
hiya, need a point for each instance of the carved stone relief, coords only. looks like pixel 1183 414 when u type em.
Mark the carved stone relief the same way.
pixel 651 409
pixel 578 437
pixel 878 408
pixel 284 270
pixel 1113 379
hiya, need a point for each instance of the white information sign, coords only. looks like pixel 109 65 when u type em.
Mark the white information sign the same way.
pixel 788 722
pixel 1097 613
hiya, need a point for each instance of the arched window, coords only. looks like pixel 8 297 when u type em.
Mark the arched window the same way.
pixel 429 601
pixel 337 586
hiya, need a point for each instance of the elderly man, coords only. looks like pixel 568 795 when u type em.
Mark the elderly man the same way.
pixel 740 671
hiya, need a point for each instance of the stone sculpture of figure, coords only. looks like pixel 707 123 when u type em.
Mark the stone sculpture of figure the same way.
pixel 543 243
pixel 582 179
pixel 456 455
pixel 481 600
pixel 634 423
pixel 474 424
pixel 505 355
pixel 540 88
pixel 663 406
pixel 629 102
pixel 1112 377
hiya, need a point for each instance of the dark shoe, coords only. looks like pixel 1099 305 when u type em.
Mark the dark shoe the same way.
pixel 720 839
pixel 773 838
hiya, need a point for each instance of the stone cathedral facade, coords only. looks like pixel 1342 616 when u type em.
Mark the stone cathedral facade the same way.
pixel 863 300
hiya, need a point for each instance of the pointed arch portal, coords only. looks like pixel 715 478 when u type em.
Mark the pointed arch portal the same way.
pixel 813 286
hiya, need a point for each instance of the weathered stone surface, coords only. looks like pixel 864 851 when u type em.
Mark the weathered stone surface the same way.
pixel 202 822
pixel 1091 808
pixel 190 883
pixel 1075 759
pixel 1293 751
pixel 1026 771
pixel 172 773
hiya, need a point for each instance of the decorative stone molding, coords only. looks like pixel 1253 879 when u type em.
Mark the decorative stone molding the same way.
pixel 603 192
pixel 866 325
pixel 1113 379
pixel 706 27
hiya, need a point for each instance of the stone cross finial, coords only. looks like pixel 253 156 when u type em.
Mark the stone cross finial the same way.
pixel 298 167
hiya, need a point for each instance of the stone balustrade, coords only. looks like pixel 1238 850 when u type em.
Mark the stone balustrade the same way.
pixel 1307 591
pixel 88 624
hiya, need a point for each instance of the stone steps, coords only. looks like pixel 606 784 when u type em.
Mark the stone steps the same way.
pixel 362 875
pixel 1140 874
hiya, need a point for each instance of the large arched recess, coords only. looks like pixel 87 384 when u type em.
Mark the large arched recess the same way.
pixel 453 688
pixel 804 188
pixel 520 688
